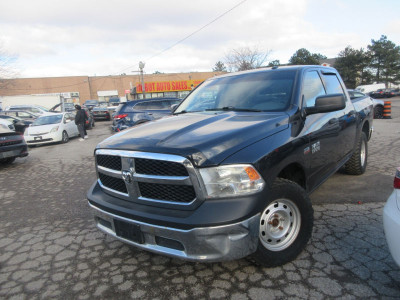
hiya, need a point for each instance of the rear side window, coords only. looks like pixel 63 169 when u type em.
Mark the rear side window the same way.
pixel 332 83
pixel 149 105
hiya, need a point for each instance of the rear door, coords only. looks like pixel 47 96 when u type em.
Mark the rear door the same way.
pixel 346 117
pixel 70 125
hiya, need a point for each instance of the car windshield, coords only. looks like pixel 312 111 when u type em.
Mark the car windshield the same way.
pixel 259 91
pixel 46 120
pixel 91 102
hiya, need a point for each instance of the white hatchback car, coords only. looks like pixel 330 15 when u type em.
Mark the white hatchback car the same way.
pixel 391 219
pixel 57 127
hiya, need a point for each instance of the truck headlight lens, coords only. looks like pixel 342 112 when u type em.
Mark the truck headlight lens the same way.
pixel 233 180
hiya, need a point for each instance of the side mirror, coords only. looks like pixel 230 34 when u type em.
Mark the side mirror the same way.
pixel 327 103
pixel 173 107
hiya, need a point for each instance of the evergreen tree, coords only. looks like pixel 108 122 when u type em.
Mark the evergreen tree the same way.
pixel 305 57
pixel 219 67
pixel 353 66
pixel 385 57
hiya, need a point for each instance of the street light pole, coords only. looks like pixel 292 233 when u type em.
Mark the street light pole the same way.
pixel 141 66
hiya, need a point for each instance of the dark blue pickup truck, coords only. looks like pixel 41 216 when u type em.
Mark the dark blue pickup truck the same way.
pixel 228 174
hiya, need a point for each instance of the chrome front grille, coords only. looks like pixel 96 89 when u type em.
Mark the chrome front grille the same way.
pixel 148 178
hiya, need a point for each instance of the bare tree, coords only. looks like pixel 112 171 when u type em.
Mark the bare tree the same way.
pixel 246 58
pixel 7 70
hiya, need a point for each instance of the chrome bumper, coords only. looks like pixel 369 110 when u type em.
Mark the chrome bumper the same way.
pixel 219 243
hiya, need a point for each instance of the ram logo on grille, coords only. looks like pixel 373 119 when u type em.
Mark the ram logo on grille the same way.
pixel 127 176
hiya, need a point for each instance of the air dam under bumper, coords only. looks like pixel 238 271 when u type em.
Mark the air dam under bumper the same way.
pixel 219 243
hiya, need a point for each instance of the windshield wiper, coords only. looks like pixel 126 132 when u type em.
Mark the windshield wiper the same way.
pixel 185 112
pixel 231 108
pixel 181 112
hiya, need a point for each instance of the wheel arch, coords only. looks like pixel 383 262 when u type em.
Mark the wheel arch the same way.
pixel 294 172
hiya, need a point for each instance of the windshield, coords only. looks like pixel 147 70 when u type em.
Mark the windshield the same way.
pixel 260 91
pixel 91 102
pixel 46 120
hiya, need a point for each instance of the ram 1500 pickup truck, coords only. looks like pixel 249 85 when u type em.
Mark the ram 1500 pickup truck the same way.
pixel 229 173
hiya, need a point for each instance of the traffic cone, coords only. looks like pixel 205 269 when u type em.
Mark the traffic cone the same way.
pixel 387 110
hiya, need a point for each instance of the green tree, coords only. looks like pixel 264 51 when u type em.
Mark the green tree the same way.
pixel 305 57
pixel 274 63
pixel 353 66
pixel 385 57
pixel 245 58
pixel 219 67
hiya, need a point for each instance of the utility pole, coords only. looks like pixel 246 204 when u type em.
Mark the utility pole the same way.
pixel 141 66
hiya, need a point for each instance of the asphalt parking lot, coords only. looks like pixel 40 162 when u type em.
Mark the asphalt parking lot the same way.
pixel 50 248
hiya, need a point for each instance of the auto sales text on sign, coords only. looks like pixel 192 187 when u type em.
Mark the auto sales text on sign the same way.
pixel 168 86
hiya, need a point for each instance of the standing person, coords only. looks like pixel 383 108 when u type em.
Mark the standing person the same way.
pixel 80 121
pixel 84 126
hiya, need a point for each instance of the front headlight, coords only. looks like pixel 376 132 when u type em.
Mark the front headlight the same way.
pixel 55 129
pixel 233 180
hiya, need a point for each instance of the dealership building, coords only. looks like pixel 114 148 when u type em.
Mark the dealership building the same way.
pixel 78 89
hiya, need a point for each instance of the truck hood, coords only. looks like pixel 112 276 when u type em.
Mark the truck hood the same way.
pixel 206 138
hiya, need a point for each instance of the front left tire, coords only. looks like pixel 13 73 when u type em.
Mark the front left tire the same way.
pixel 286 224
pixel 65 137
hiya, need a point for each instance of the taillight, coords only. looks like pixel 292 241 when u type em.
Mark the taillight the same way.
pixel 396 183
pixel 118 117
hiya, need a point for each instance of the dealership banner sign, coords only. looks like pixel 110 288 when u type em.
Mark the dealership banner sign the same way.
pixel 168 86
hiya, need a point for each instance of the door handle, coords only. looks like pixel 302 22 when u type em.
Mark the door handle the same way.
pixel 334 121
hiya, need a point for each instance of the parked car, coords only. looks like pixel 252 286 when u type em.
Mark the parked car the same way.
pixel 58 127
pixel 389 93
pixel 19 124
pixel 380 93
pixel 101 112
pixel 378 104
pixel 89 124
pixel 391 219
pixel 89 104
pixel 25 115
pixel 7 124
pixel 36 109
pixel 131 113
pixel 12 145
pixel 114 101
pixel 229 174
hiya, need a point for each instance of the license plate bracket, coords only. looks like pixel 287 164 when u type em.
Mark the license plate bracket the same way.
pixel 128 231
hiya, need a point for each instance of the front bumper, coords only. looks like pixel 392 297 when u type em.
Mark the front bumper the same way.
pixel 208 244
pixel 391 224
pixel 50 137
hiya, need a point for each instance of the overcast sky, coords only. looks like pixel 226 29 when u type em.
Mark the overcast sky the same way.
pixel 108 37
